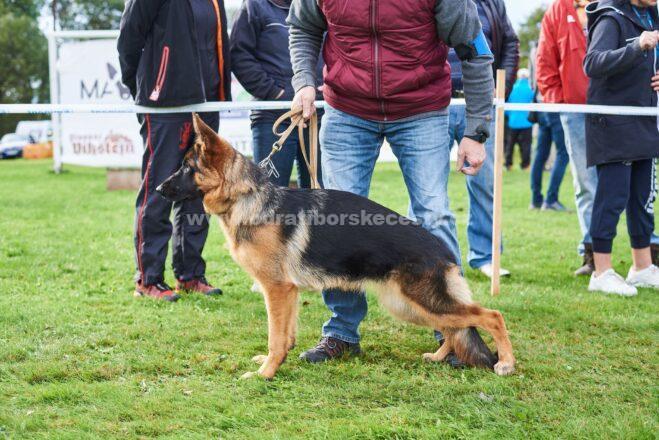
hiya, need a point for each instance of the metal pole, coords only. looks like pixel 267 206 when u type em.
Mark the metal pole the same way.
pixel 56 118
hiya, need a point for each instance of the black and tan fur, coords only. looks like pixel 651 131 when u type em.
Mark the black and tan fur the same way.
pixel 413 272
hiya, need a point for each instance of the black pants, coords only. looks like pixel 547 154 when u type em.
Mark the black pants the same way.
pixel 623 186
pixel 523 137
pixel 166 139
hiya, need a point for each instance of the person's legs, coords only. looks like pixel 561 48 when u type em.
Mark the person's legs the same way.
pixel 190 223
pixel 640 212
pixel 350 149
pixel 611 198
pixel 542 150
pixel 525 140
pixel 561 161
pixel 509 148
pixel 481 207
pixel 163 137
pixel 263 138
pixel 424 157
pixel 584 178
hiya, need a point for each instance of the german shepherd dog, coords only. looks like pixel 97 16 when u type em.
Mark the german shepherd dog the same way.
pixel 277 236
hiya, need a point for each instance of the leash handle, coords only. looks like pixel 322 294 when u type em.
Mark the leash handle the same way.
pixel 310 160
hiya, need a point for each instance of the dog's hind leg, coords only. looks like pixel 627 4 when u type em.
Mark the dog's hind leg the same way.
pixel 280 301
pixel 473 315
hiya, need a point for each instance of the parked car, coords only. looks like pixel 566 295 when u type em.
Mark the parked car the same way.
pixel 38 131
pixel 12 144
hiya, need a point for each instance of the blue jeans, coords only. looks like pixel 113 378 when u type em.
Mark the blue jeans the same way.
pixel 584 178
pixel 263 138
pixel 481 193
pixel 550 129
pixel 350 147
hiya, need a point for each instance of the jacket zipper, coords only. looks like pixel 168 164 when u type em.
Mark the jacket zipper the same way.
pixel 376 57
pixel 162 73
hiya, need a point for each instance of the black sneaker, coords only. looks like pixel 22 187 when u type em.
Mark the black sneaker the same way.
pixel 329 348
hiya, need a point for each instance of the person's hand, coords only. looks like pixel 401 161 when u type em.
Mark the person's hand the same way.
pixel 305 98
pixel 473 153
pixel 655 83
pixel 648 40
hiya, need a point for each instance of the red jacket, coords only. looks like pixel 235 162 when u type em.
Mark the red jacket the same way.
pixel 561 51
pixel 384 59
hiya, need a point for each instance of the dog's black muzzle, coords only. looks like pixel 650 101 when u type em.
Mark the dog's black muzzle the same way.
pixel 180 186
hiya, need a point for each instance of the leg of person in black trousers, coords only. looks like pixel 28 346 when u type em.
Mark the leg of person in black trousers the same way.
pixel 509 148
pixel 622 186
pixel 167 137
pixel 525 138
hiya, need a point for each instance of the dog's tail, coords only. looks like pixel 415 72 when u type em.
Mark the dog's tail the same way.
pixel 470 348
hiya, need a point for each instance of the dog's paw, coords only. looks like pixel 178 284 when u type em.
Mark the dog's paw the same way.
pixel 249 375
pixel 430 357
pixel 503 368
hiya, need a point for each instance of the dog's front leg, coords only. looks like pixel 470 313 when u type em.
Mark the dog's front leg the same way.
pixel 280 302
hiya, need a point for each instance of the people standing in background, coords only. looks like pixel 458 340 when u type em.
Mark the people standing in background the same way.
pixel 561 79
pixel 172 53
pixel 262 64
pixel 549 130
pixel 623 65
pixel 519 128
pixel 503 42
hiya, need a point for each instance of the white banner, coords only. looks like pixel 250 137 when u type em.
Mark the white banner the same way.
pixel 88 72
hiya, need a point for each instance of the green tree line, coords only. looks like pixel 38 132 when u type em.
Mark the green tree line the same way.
pixel 24 48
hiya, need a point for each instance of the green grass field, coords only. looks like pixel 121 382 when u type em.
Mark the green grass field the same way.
pixel 81 358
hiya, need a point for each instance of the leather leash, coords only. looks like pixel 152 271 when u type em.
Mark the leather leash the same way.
pixel 311 161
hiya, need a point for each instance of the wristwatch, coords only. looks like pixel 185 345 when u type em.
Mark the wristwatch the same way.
pixel 479 137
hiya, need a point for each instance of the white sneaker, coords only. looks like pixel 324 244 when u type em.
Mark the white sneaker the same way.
pixel 648 277
pixel 611 282
pixel 487 270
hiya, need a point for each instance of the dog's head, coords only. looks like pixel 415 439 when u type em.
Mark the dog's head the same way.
pixel 212 169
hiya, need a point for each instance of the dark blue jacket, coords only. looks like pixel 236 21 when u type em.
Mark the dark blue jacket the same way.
pixel 620 74
pixel 502 40
pixel 259 53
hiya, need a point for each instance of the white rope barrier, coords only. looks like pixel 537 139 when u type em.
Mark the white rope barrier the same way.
pixel 286 105
pixel 584 108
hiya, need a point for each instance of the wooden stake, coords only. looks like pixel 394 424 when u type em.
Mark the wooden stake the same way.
pixel 498 180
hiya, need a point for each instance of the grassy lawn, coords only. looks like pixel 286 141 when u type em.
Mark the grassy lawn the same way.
pixel 80 357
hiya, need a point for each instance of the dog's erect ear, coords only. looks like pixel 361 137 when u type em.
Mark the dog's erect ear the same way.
pixel 209 141
pixel 203 132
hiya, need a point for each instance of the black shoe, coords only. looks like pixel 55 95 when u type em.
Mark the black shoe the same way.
pixel 452 359
pixel 329 348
